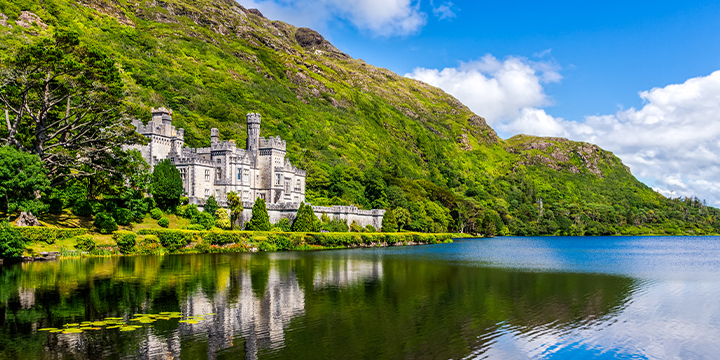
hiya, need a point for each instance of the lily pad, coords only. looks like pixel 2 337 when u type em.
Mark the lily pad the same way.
pixel 47 329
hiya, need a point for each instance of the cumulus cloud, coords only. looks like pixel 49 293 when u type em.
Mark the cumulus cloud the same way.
pixel 498 90
pixel 379 17
pixel 672 141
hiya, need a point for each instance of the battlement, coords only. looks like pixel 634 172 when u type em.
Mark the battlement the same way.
pixel 272 142
pixel 223 145
pixel 290 169
pixel 161 129
pixel 161 115
pixel 253 118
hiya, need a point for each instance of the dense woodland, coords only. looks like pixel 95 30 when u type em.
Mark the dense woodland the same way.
pixel 365 135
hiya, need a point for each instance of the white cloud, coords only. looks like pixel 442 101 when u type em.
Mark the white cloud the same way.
pixel 380 17
pixel 498 90
pixel 444 11
pixel 672 142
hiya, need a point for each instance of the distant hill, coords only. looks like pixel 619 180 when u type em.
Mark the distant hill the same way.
pixel 366 135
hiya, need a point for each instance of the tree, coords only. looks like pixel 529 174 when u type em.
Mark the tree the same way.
pixel 260 220
pixel 402 216
pixel 236 208
pixel 63 103
pixel 167 186
pixel 211 206
pixel 22 179
pixel 223 221
pixel 389 224
pixel 12 244
pixel 305 220
pixel 488 226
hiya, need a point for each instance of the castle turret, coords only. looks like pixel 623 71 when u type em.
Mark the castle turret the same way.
pixel 253 130
pixel 214 136
pixel 162 116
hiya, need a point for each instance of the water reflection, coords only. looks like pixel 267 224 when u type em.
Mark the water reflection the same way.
pixel 385 303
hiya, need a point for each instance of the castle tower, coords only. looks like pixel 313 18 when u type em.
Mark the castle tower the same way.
pixel 253 130
pixel 214 136
pixel 161 116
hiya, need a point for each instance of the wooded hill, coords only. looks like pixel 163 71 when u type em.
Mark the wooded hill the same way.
pixel 366 135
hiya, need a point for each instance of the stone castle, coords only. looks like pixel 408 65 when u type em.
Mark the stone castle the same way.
pixel 261 170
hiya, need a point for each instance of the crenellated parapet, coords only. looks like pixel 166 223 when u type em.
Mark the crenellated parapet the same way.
pixel 274 143
pixel 223 145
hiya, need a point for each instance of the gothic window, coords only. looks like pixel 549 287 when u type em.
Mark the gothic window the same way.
pixel 277 179
pixel 217 194
pixel 240 174
pixel 207 193
pixel 218 173
pixel 246 195
pixel 183 174
pixel 287 186
pixel 207 175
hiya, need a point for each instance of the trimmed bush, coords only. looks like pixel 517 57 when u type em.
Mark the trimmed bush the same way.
pixel 12 242
pixel 260 221
pixel 56 205
pixel 195 227
pixel 48 234
pixel 156 214
pixel 105 223
pixel 370 228
pixel 172 240
pixel 222 219
pixel 125 240
pixel 123 216
pixel 207 221
pixel 85 243
pixel 190 211
pixel 164 222
pixel 82 208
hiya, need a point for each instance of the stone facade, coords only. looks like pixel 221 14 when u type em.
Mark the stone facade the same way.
pixel 259 171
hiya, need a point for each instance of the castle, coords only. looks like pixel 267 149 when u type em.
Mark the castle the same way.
pixel 259 171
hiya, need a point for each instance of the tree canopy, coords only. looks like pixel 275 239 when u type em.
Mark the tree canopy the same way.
pixel 167 185
pixel 22 179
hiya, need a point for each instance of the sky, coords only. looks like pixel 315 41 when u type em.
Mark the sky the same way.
pixel 638 78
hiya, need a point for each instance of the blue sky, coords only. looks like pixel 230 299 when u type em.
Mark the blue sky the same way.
pixel 635 77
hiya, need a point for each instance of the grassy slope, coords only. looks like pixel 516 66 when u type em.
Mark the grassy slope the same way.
pixel 212 62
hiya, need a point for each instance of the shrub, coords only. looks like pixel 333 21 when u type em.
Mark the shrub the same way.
pixel 267 246
pixel 125 240
pixel 203 247
pixel 56 205
pixel 105 223
pixel 284 225
pixel 82 208
pixel 389 224
pixel 164 222
pixel 195 227
pixel 370 228
pixel 48 234
pixel 211 205
pixel 223 220
pixel 123 216
pixel 12 242
pixel 225 237
pixel 172 240
pixel 156 214
pixel 203 219
pixel 85 243
pixel 190 211
pixel 138 208
pixel 150 244
pixel 281 241
pixel 354 227
pixel 97 207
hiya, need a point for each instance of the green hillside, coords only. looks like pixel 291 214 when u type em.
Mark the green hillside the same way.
pixel 366 135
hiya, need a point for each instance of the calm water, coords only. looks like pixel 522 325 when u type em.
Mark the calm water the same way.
pixel 503 298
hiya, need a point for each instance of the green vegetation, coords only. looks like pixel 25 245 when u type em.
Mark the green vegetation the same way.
pixel 22 175
pixel 167 186
pixel 366 136
pixel 389 224
pixel 260 220
pixel 12 243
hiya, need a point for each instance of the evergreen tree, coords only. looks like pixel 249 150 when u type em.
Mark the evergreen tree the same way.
pixel 167 186
pixel 260 220
pixel 389 224
pixel 302 222
pixel 488 226
pixel 236 208
pixel 211 206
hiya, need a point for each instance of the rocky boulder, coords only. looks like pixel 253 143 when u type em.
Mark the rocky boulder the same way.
pixel 27 219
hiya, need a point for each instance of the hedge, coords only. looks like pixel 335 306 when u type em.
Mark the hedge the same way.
pixel 48 234
pixel 125 240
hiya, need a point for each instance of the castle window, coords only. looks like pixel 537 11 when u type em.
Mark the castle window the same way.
pixel 240 174
pixel 207 175
pixel 287 186
pixel 246 195
pixel 218 173
pixel 277 179
pixel 219 160
pixel 183 174
pixel 207 193
pixel 217 194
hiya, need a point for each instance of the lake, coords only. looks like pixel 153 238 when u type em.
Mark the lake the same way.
pixel 501 298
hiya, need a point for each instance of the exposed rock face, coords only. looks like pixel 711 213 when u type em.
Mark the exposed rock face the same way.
pixel 27 219
pixel 255 12
pixel 3 20
pixel 26 19
pixel 308 37
pixel 464 141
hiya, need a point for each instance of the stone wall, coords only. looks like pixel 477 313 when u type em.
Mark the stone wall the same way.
pixel 289 210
